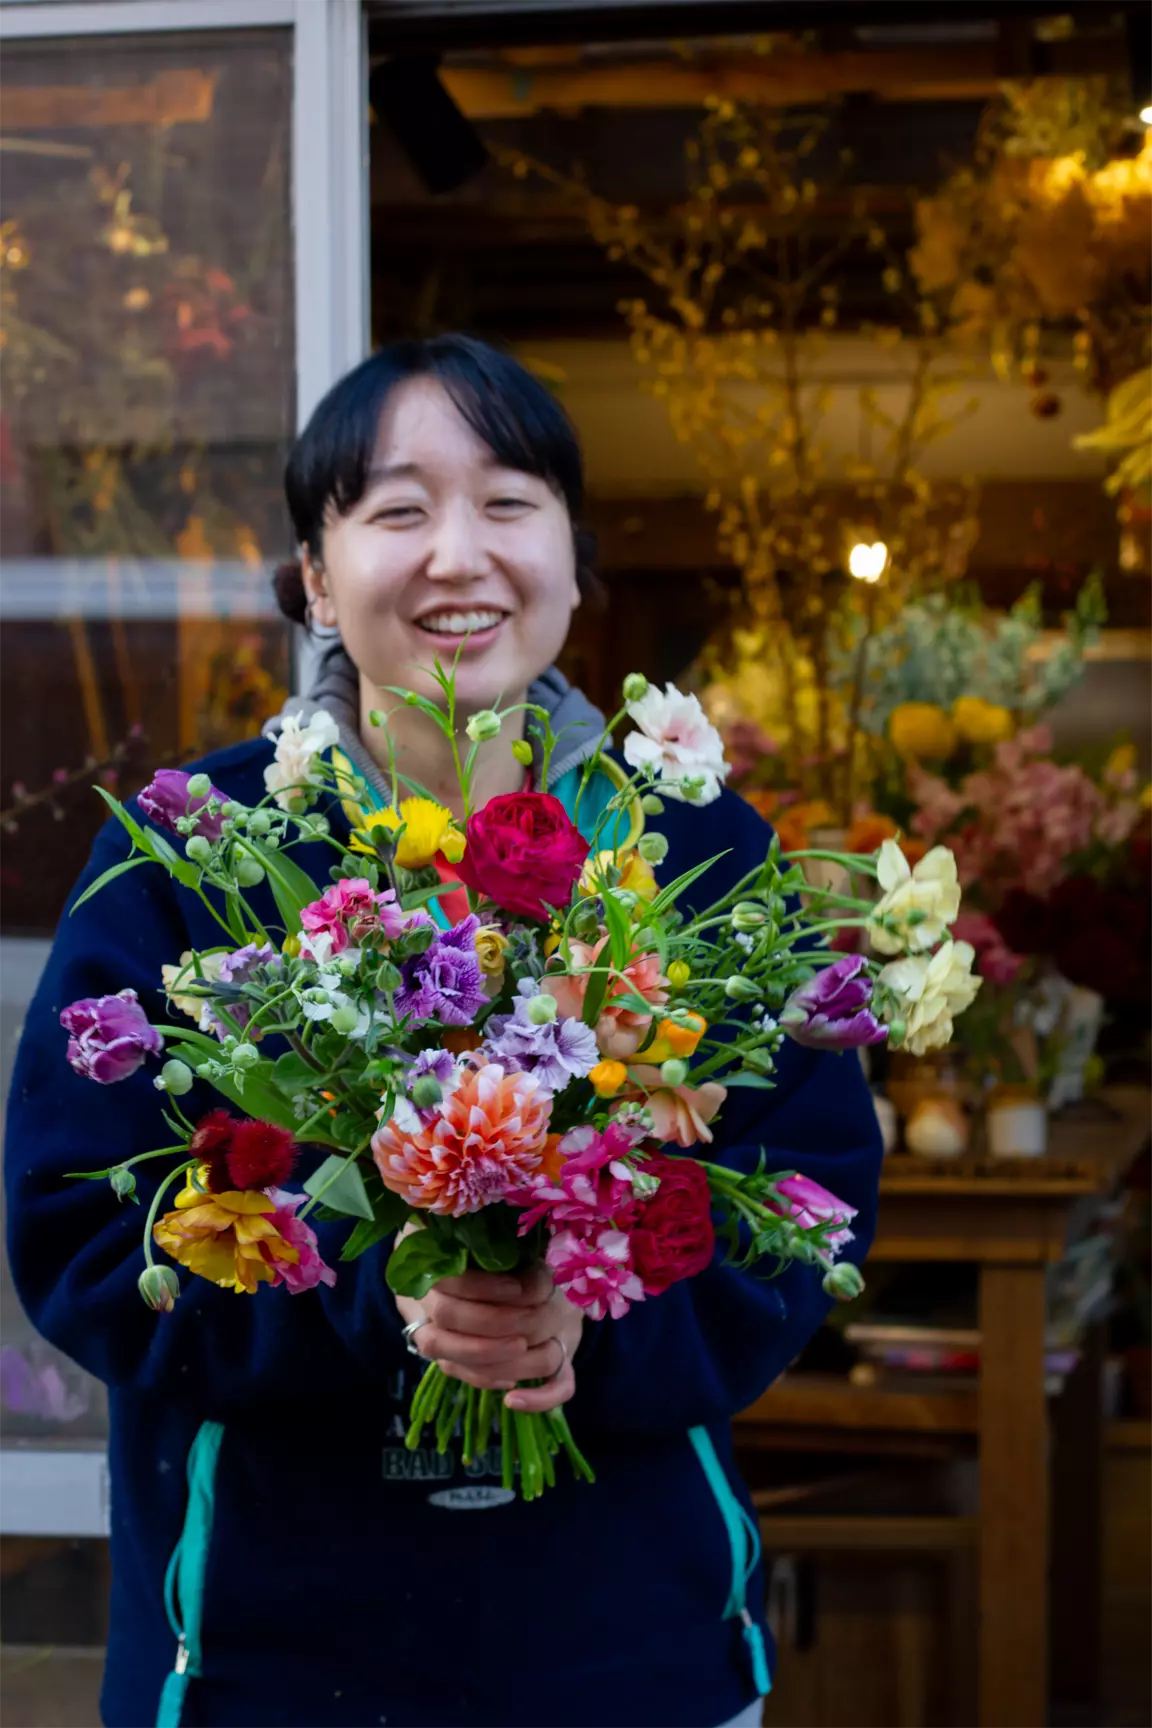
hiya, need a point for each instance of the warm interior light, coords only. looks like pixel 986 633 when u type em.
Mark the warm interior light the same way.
pixel 868 562
pixel 1146 115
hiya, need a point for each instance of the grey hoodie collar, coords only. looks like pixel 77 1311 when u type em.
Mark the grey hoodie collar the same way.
pixel 335 686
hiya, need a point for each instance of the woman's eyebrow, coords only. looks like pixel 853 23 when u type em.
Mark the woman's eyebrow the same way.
pixel 394 471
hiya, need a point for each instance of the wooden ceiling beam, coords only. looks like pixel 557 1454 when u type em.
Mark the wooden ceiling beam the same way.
pixel 172 98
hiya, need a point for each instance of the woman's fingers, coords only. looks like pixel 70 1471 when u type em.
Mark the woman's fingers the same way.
pixel 441 1344
pixel 487 1287
pixel 546 1397
pixel 477 1319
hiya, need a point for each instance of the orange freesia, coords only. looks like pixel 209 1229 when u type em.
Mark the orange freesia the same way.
pixel 487 1136
pixel 673 1039
pixel 680 1114
pixel 607 1078
pixel 619 1031
pixel 228 1238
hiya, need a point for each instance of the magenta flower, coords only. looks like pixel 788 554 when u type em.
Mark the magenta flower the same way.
pixel 831 1011
pixel 994 959
pixel 445 983
pixel 808 1204
pixel 352 911
pixel 109 1036
pixel 310 1269
pixel 595 1272
pixel 166 797
pixel 595 1186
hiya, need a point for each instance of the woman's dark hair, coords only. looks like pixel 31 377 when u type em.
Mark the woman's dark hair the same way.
pixel 516 416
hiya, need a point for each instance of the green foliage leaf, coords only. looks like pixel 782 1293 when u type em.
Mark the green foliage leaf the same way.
pixel 292 889
pixel 759 1082
pixel 423 1259
pixel 491 1239
pixel 108 876
pixel 259 1097
pixel 619 935
pixel 666 895
pixel 341 1183
pixel 292 1074
pixel 389 1215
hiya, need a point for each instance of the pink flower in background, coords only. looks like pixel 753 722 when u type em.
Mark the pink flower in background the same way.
pixel 995 961
pixel 310 1269
pixel 809 1204
pixel 595 1272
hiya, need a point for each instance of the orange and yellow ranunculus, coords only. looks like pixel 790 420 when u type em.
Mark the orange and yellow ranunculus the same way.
pixel 607 1078
pixel 636 874
pixel 428 830
pixel 676 1039
pixel 228 1238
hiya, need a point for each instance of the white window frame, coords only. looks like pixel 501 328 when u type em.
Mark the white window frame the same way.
pixel 53 1489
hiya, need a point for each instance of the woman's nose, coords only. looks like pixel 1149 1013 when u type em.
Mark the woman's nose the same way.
pixel 457 552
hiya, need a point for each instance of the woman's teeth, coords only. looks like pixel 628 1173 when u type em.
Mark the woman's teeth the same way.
pixel 459 623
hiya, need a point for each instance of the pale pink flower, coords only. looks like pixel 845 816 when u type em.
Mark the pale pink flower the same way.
pixel 676 741
pixel 680 1114
pixel 595 1272
pixel 619 1031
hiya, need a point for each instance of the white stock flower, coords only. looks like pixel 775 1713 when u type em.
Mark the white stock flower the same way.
pixel 678 742
pixel 177 977
pixel 920 903
pixel 294 772
pixel 931 992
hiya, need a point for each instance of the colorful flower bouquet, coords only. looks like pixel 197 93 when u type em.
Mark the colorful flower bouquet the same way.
pixel 523 1085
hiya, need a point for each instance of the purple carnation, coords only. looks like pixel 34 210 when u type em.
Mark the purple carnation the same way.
pixel 109 1036
pixel 831 1011
pixel 556 1052
pixel 445 983
pixel 165 798
pixel 439 1063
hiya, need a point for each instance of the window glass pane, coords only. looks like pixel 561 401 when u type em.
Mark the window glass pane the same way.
pixel 147 372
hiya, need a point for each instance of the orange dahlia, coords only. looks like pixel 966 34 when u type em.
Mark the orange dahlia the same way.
pixel 486 1138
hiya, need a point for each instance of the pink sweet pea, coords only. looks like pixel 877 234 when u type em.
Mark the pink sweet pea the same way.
pixel 595 1272
pixel 109 1036
pixel 809 1204
pixel 310 1269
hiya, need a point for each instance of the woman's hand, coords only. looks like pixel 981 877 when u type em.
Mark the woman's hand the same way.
pixel 493 1329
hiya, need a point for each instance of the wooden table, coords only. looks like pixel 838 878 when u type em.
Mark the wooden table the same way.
pixel 1012 1222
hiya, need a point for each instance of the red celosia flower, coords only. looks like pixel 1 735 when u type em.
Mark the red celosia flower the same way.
pixel 260 1155
pixel 210 1143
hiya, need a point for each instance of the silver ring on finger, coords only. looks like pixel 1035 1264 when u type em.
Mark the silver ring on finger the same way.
pixel 561 1365
pixel 409 1334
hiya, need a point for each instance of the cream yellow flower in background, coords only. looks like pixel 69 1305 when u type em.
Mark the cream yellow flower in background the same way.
pixel 491 947
pixel 428 829
pixel 921 732
pixel 932 991
pixel 980 722
pixel 176 977
pixel 635 874
pixel 917 905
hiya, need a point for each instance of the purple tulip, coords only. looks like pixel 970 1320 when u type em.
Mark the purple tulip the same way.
pixel 166 797
pixel 109 1036
pixel 831 1011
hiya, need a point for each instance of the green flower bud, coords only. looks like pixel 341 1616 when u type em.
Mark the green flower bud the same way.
pixel 426 1092
pixel 522 751
pixel 245 1056
pixel 635 687
pixel 740 989
pixel 843 1281
pixel 177 1077
pixel 159 1287
pixel 345 1018
pixel 651 805
pixel 199 786
pixel 483 726
pixel 585 924
pixel 199 849
pixel 320 825
pixel 228 808
pixel 653 848
pixel 541 1010
pixel 124 1183
pixel 674 1072
pixel 259 822
pixel 376 717
pixel 249 872
pixel 747 915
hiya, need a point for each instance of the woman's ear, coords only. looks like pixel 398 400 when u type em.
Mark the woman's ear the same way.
pixel 316 587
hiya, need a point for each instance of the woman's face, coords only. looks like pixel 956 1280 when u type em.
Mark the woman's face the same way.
pixel 446 553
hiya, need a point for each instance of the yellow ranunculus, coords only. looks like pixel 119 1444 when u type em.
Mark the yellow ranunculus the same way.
pixel 921 732
pixel 607 1078
pixel 673 1039
pixel 980 722
pixel 932 991
pixel 227 1238
pixel 635 874
pixel 491 947
pixel 917 905
pixel 428 829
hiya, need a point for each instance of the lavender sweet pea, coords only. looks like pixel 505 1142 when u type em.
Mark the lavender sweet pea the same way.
pixel 109 1036
pixel 237 968
pixel 555 1050
pixel 445 983
pixel 831 1011
pixel 165 798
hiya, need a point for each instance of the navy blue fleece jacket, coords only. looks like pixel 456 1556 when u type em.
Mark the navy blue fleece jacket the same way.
pixel 351 1582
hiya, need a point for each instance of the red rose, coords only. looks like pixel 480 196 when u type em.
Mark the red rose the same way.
pixel 674 1237
pixel 523 853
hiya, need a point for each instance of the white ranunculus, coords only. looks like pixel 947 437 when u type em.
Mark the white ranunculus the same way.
pixel 917 905
pixel 931 991
pixel 294 773
pixel 676 741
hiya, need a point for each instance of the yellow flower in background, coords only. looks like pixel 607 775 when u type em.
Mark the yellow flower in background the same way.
pixel 917 904
pixel 227 1238
pixel 980 722
pixel 1120 764
pixel 921 732
pixel 635 874
pixel 177 977
pixel 428 829
pixel 932 991
pixel 491 947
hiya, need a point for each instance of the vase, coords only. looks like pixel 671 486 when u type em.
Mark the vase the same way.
pixel 937 1128
pixel 1016 1124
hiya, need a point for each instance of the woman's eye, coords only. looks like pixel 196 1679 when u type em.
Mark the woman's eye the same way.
pixel 508 506
pixel 398 514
